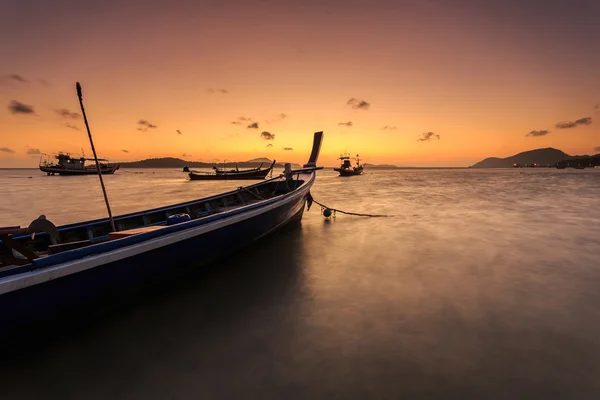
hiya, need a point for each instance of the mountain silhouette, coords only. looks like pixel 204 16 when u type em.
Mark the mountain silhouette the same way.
pixel 543 157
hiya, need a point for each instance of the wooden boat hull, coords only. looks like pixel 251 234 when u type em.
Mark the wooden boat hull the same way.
pixel 347 172
pixel 58 296
pixel 74 172
pixel 252 175
pixel 51 286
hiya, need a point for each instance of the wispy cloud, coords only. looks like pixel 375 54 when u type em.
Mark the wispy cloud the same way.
pixel 287 149
pixel 186 155
pixel 244 119
pixel 277 118
pixel 538 133
pixel 145 125
pixel 63 112
pixel 597 148
pixel 17 78
pixel 389 128
pixel 6 150
pixel 426 136
pixel 17 107
pixel 236 123
pixel 125 151
pixel 253 125
pixel 233 135
pixel 34 152
pixel 270 145
pixel 346 124
pixel 267 135
pixel 43 82
pixel 178 132
pixel 68 125
pixel 223 91
pixel 358 104
pixel 597 107
pixel 574 124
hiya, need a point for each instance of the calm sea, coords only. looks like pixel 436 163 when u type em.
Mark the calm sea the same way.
pixel 484 284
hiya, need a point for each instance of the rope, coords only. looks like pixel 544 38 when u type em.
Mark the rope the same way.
pixel 323 206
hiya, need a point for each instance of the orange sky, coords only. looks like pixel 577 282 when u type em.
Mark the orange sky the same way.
pixel 478 74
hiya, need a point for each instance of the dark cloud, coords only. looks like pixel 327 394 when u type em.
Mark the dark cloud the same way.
pixel 538 133
pixel 584 121
pixel 145 125
pixel 178 132
pixel 287 149
pixel 63 112
pixel 17 107
pixel 389 128
pixel 597 148
pixel 358 104
pixel 428 136
pixel 253 125
pixel 270 145
pixel 68 125
pixel 277 118
pixel 125 151
pixel 18 78
pixel 34 152
pixel 574 124
pixel 346 124
pixel 267 135
pixel 6 150
pixel 211 90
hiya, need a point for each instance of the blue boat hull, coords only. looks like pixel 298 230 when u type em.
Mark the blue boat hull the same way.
pixel 56 297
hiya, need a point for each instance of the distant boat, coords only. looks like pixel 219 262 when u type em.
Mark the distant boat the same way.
pixel 221 175
pixel 46 270
pixel 346 169
pixel 68 165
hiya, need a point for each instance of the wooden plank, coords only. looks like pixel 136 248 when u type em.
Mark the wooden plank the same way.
pixel 135 231
pixel 12 230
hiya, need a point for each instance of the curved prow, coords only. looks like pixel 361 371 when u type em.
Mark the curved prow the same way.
pixel 314 155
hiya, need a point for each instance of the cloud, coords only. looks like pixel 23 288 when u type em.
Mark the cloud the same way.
pixel 346 124
pixel 178 132
pixel 427 136
pixel 63 112
pixel 145 125
pixel 538 133
pixel 186 155
pixel 68 125
pixel 236 123
pixel 17 107
pixel 267 135
pixel 277 118
pixel 33 152
pixel 597 107
pixel 389 128
pixel 287 149
pixel 211 90
pixel 125 151
pixel 270 145
pixel 43 82
pixel 18 78
pixel 358 104
pixel 597 148
pixel 7 150
pixel 584 121
pixel 244 119
pixel 253 125
pixel 573 124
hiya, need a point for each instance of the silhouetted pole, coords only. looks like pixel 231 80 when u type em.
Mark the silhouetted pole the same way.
pixel 112 221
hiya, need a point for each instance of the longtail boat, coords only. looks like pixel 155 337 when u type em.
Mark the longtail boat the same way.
pixel 222 175
pixel 46 270
pixel 67 165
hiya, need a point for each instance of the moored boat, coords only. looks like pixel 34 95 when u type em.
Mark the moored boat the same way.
pixel 220 175
pixel 67 165
pixel 46 270
pixel 346 169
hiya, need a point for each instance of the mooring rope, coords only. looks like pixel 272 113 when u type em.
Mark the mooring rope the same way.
pixel 324 208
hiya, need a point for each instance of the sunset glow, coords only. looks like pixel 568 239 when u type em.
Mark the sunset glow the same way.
pixel 188 79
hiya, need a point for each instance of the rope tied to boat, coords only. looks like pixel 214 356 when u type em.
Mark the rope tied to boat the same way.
pixel 329 211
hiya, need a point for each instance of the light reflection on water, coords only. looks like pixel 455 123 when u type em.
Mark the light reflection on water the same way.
pixel 482 284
